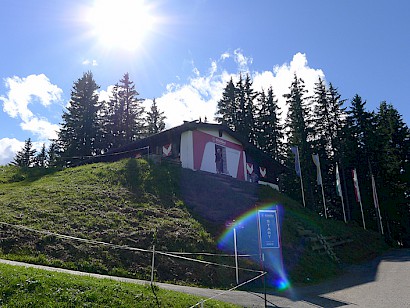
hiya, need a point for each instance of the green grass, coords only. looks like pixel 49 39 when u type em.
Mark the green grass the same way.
pixel 130 202
pixel 136 203
pixel 29 287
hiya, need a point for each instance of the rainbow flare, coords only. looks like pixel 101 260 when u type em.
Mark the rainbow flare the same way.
pixel 246 228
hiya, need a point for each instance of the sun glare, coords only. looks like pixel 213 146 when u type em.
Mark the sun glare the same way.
pixel 121 23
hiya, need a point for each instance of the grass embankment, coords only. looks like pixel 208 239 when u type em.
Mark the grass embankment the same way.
pixel 134 203
pixel 130 202
pixel 29 287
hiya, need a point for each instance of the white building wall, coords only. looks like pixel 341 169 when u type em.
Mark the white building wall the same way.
pixel 187 153
pixel 215 133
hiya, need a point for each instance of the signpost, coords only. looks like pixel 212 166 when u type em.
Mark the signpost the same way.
pixel 235 225
pixel 268 229
pixel 268 233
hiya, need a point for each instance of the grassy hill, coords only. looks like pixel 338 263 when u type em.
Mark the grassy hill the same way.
pixel 137 204
pixel 29 287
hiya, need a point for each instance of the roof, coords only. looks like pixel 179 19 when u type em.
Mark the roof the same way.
pixel 167 136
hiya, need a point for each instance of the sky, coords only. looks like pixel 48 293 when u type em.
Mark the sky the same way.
pixel 183 53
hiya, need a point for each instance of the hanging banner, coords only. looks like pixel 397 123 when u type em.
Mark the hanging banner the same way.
pixel 356 186
pixel 295 151
pixel 316 160
pixel 338 185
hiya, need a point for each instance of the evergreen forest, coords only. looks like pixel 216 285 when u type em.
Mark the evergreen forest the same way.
pixel 362 169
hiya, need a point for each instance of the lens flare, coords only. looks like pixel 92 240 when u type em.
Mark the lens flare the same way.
pixel 247 242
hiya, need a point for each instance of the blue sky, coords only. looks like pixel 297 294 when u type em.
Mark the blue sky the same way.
pixel 183 53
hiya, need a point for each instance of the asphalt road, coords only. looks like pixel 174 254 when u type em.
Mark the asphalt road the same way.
pixel 383 282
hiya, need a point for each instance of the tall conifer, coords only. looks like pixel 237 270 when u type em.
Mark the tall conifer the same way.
pixel 269 130
pixel 26 157
pixel 155 119
pixel 80 131
pixel 299 133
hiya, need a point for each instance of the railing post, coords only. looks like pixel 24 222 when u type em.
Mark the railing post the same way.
pixel 153 263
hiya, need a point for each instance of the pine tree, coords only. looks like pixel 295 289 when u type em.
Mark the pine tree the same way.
pixel 337 121
pixel 125 114
pixel 111 120
pixel 239 112
pixel 41 157
pixel 26 157
pixel 392 171
pixel 53 155
pixel 80 131
pixel 133 110
pixel 226 107
pixel 360 124
pixel 269 130
pixel 155 120
pixel 328 122
pixel 358 140
pixel 299 133
pixel 248 125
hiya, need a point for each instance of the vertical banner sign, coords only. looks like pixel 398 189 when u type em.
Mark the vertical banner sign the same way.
pixel 268 228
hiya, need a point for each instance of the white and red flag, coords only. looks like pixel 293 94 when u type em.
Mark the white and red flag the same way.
pixel 356 186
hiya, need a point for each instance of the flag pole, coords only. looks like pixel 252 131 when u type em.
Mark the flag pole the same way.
pixel 295 151
pixel 343 207
pixel 376 204
pixel 323 195
pixel 324 200
pixel 301 186
pixel 361 209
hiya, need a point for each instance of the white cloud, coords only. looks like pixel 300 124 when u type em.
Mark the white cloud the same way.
pixel 242 61
pixel 281 77
pixel 8 149
pixel 44 129
pixel 33 89
pixel 24 91
pixel 104 95
pixel 199 96
pixel 90 62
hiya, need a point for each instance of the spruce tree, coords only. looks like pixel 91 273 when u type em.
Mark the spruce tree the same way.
pixel 328 122
pixel 226 107
pixel 337 121
pixel 269 130
pixel 26 157
pixel 239 112
pixel 41 157
pixel 53 155
pixel 133 110
pixel 248 124
pixel 155 120
pixel 391 169
pixel 80 131
pixel 299 133
pixel 111 118
pixel 358 140
pixel 125 114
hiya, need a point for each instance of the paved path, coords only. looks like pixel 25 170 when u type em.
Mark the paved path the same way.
pixel 384 282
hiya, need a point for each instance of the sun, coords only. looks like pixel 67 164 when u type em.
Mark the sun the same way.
pixel 122 24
